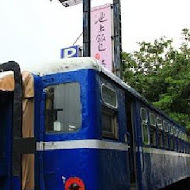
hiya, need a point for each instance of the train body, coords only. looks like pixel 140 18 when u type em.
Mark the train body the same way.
pixel 81 127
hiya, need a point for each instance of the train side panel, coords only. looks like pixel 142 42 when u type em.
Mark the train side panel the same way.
pixel 101 163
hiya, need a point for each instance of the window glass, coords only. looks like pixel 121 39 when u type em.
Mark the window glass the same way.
pixel 153 136
pixel 109 96
pixel 109 123
pixel 152 119
pixel 144 126
pixel 160 139
pixel 176 132
pixel 145 133
pixel 159 123
pixel 165 126
pixel 170 129
pixel 180 135
pixel 166 141
pixel 63 108
pixel 171 143
pixel 144 116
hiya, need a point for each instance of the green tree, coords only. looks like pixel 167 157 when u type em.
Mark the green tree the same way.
pixel 161 73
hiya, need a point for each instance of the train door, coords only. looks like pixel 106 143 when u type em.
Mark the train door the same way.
pixel 131 143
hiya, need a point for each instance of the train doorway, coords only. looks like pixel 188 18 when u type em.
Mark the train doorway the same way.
pixel 131 143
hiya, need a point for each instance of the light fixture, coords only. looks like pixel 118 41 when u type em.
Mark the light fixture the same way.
pixel 68 3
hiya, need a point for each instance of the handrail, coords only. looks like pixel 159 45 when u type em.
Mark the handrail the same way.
pixel 20 145
pixel 17 111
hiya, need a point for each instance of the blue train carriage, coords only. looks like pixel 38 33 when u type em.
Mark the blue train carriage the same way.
pixel 80 127
pixel 165 148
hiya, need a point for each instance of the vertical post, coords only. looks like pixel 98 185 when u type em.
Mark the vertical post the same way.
pixel 86 27
pixel 117 38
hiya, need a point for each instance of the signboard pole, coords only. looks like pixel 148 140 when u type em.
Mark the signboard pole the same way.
pixel 86 27
pixel 117 38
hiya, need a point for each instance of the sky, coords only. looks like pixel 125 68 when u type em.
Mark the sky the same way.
pixel 34 31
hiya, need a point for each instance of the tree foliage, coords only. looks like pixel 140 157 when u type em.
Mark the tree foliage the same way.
pixel 161 73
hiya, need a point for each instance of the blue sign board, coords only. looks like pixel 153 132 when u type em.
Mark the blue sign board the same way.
pixel 69 52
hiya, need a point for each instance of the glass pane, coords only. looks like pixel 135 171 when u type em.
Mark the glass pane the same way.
pixel 109 96
pixel 153 136
pixel 159 123
pixel 171 143
pixel 109 123
pixel 166 143
pixel 152 119
pixel 170 129
pixel 144 116
pixel 145 133
pixel 165 126
pixel 63 108
pixel 160 139
pixel 180 135
pixel 176 132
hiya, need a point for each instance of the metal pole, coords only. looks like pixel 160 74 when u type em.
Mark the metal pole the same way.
pixel 117 38
pixel 86 27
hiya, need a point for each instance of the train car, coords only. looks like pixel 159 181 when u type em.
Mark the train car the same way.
pixel 73 125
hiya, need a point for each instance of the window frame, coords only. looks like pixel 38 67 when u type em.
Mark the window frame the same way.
pixel 113 134
pixel 145 123
pixel 153 134
pixel 109 109
pixel 106 103
pixel 80 104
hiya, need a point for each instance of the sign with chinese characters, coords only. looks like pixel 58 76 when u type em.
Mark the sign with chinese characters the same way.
pixel 69 52
pixel 101 32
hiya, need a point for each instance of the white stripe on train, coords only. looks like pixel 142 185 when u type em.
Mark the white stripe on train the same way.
pixel 100 144
pixel 80 144
pixel 165 152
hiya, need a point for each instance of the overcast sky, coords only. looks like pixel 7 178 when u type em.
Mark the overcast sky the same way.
pixel 34 31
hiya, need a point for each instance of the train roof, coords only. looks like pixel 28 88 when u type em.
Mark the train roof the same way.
pixel 74 64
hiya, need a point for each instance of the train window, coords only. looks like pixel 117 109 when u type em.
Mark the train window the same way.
pixel 171 142
pixel 109 96
pixel 63 108
pixel 109 122
pixel 145 133
pixel 165 126
pixel 152 129
pixel 176 132
pixel 159 123
pixel 144 116
pixel 144 126
pixel 152 119
pixel 109 112
pixel 160 132
pixel 170 129
pixel 166 136
pixel 176 142
pixel 180 135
